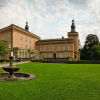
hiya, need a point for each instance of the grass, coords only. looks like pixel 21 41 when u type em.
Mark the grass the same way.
pixel 55 82
pixel 3 62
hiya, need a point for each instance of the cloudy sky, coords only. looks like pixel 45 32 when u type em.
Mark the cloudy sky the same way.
pixel 52 18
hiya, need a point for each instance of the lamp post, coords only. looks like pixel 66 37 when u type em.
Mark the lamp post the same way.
pixel 11 59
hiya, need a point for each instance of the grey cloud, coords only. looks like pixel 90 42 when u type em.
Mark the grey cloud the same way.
pixel 55 2
pixel 81 2
pixel 3 3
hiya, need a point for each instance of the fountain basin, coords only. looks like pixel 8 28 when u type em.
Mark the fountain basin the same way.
pixel 10 70
pixel 19 76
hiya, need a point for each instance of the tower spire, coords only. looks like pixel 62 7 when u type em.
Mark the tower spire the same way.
pixel 73 26
pixel 27 27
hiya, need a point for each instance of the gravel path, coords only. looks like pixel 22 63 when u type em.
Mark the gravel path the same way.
pixel 15 63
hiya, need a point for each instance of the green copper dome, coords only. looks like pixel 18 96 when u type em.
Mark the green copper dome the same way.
pixel 73 26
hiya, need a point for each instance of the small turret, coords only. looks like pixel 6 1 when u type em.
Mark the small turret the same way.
pixel 27 27
pixel 62 37
pixel 73 26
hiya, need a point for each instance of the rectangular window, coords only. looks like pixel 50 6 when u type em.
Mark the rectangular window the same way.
pixel 1 36
pixel 64 48
pixel 9 35
pixel 65 55
pixel 40 49
pixel 30 40
pixel 49 48
pixel 45 55
pixel 21 37
pixel 59 48
pixel 5 36
pixel 26 39
pixel 49 55
pixel 54 48
pixel 21 46
pixel 26 46
pixel 36 40
pixel 60 55
pixel 9 45
pixel 45 48
pixel 69 48
pixel 20 54
pixel 68 54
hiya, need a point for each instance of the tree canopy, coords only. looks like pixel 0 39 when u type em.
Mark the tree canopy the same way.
pixel 95 52
pixel 87 51
pixel 91 40
pixel 2 48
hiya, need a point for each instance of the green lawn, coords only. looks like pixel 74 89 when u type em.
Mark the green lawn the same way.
pixel 3 62
pixel 55 82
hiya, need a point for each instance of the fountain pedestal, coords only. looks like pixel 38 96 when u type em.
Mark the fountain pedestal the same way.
pixel 11 71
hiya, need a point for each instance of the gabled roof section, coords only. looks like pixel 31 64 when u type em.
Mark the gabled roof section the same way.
pixel 20 29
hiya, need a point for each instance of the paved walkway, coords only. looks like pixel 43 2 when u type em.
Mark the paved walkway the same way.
pixel 15 63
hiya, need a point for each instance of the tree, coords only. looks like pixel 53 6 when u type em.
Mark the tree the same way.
pixel 95 52
pixel 2 48
pixel 91 40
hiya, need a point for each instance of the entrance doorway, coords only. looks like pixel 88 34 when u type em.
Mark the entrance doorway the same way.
pixel 54 55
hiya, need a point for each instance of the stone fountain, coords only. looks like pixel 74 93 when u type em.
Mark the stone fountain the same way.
pixel 11 73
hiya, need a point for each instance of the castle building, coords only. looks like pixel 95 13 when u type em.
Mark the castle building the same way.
pixel 60 47
pixel 20 40
pixel 25 44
